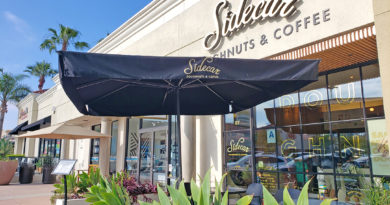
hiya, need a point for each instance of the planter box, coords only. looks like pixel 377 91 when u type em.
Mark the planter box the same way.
pixel 72 202
pixel 7 171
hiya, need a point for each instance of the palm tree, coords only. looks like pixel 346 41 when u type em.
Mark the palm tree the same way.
pixel 41 70
pixel 65 37
pixel 11 90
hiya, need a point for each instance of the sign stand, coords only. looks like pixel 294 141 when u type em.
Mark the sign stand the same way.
pixel 64 167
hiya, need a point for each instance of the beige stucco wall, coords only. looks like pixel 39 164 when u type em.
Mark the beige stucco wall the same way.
pixel 382 23
pixel 179 30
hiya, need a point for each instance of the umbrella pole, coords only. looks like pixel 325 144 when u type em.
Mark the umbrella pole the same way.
pixel 178 134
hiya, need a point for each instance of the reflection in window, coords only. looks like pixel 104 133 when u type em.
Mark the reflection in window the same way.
pixel 287 110
pixel 114 139
pixel 95 146
pixel 238 121
pixel 238 158
pixel 345 95
pixel 372 88
pixel 318 146
pixel 349 188
pixel 351 148
pixel 265 114
pixel 322 186
pixel 314 102
pixel 266 158
pixel 132 146
pixel 154 121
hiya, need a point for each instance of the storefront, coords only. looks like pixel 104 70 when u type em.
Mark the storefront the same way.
pixel 333 131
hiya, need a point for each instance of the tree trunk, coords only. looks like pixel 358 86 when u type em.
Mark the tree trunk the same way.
pixel 3 110
pixel 41 83
pixel 64 45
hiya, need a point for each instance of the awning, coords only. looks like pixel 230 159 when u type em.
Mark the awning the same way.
pixel 62 131
pixel 18 128
pixel 37 125
pixel 125 85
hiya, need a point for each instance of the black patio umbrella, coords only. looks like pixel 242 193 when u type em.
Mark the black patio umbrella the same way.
pixel 125 85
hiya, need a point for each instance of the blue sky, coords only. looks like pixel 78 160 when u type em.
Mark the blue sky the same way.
pixel 24 25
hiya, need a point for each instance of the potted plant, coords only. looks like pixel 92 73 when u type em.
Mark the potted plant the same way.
pixel 26 171
pixel 38 166
pixel 7 166
pixel 47 169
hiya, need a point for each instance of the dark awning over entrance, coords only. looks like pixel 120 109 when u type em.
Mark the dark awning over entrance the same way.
pixel 37 125
pixel 123 85
pixel 17 128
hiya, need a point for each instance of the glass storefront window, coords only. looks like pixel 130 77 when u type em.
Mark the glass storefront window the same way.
pixel 265 150
pixel 265 114
pixel 318 146
pixel 95 146
pixel 345 95
pixel 350 188
pixel 290 148
pixel 132 146
pixel 238 158
pixel 238 121
pixel 287 110
pixel 372 88
pixel 154 121
pixel 50 147
pixel 314 102
pixel 114 139
pixel 351 148
pixel 322 186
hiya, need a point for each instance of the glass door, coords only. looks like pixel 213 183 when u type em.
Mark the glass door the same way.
pixel 160 157
pixel 146 140
pixel 153 163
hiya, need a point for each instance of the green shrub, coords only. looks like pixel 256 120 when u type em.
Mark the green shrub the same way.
pixel 376 194
pixel 303 198
pixel 200 194
pixel 6 148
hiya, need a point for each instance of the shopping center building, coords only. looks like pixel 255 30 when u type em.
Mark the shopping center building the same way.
pixel 332 131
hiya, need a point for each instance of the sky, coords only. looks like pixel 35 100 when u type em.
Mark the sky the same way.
pixel 24 25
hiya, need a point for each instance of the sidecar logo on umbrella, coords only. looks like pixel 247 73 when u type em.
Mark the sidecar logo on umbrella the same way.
pixel 202 70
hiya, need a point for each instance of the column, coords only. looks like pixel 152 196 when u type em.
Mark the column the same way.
pixel 209 145
pixel 64 149
pixel 187 147
pixel 18 145
pixel 121 145
pixel 382 25
pixel 104 149
pixel 30 146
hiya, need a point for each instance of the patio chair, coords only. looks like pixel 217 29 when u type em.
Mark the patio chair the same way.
pixel 255 189
pixel 294 193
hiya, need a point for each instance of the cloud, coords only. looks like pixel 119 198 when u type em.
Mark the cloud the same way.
pixel 19 24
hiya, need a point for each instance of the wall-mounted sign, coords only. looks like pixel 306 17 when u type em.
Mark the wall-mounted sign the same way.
pixel 229 22
pixel 23 113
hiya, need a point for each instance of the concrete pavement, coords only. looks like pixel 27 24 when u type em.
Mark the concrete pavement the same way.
pixel 20 194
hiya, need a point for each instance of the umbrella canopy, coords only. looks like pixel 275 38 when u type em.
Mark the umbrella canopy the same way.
pixel 124 85
pixel 62 131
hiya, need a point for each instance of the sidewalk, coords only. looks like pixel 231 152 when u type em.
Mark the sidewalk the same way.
pixel 33 194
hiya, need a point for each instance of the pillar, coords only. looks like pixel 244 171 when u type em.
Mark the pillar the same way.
pixel 30 146
pixel 104 149
pixel 382 25
pixel 209 146
pixel 65 149
pixel 18 145
pixel 187 147
pixel 121 145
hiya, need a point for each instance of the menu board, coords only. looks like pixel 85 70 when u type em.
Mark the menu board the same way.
pixel 64 167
